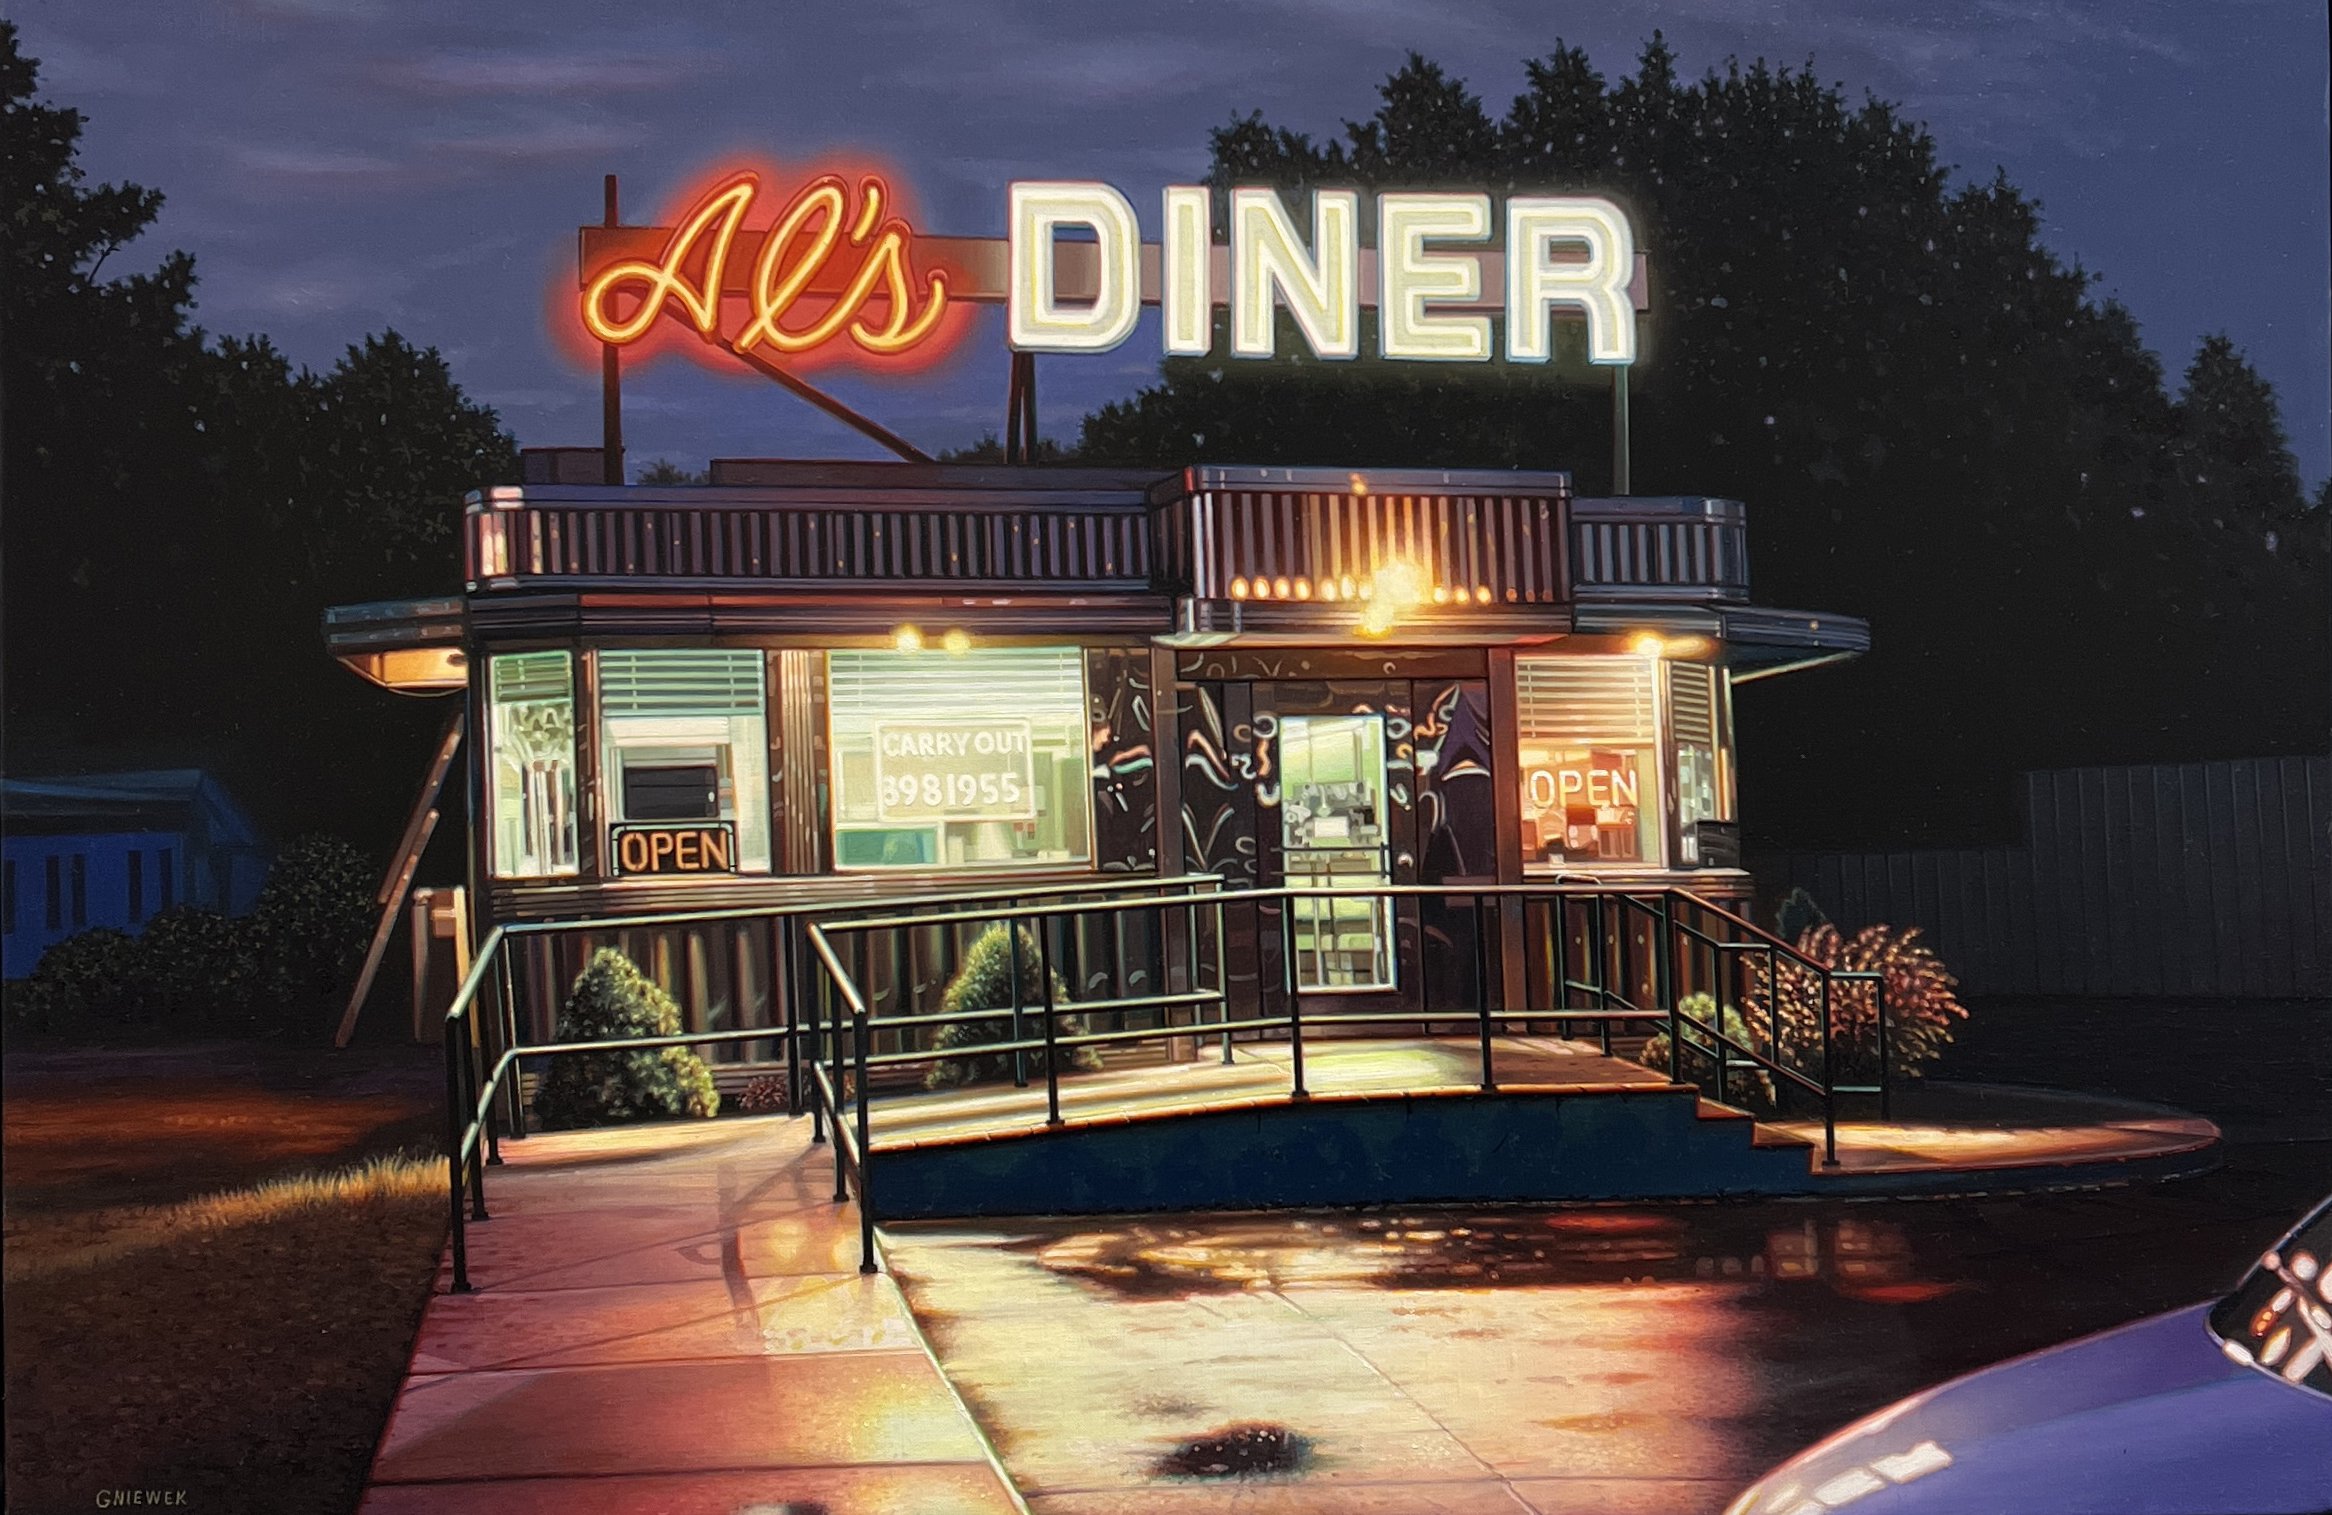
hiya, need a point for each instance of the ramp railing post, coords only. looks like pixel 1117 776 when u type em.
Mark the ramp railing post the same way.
pixel 470 1085
pixel 866 1247
pixel 1664 973
pixel 1482 990
pixel 841 1081
pixel 781 989
pixel 1287 976
pixel 1223 973
pixel 1878 990
pixel 1829 1086
pixel 1044 954
pixel 1019 1058
pixel 453 1159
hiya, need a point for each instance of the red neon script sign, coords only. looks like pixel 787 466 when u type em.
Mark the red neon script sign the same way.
pixel 805 291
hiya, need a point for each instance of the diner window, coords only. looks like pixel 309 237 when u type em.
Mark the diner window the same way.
pixel 684 760
pixel 1590 756
pixel 137 876
pixel 531 726
pixel 959 760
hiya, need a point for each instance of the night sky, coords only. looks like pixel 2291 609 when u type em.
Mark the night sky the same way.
pixel 342 165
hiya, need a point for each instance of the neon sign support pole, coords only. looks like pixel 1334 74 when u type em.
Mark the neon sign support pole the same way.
pixel 1620 483
pixel 611 384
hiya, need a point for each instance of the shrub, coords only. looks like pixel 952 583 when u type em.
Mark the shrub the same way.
pixel 200 971
pixel 88 984
pixel 983 981
pixel 313 918
pixel 763 1095
pixel 1921 1004
pixel 1921 1008
pixel 1749 1088
pixel 613 1000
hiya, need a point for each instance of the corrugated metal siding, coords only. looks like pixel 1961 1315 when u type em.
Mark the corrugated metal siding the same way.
pixel 2205 879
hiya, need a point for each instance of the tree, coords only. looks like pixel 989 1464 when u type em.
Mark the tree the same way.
pixel 180 510
pixel 1934 424
pixel 665 471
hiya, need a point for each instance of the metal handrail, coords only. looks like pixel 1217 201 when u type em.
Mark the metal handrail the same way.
pixel 840 1036
pixel 1661 904
pixel 474 1143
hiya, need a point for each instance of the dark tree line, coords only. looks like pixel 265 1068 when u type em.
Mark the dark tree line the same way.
pixel 1935 423
pixel 180 508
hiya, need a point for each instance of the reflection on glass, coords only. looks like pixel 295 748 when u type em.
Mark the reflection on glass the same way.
pixel 1590 769
pixel 1332 830
pixel 531 729
pixel 684 736
pixel 970 759
pixel 2279 1318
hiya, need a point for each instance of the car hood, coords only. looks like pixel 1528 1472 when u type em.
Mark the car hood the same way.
pixel 2149 1419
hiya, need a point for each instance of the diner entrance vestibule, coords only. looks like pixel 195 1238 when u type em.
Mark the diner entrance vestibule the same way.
pixel 1334 834
pixel 1371 781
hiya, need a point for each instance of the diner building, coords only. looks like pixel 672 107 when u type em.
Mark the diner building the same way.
pixel 850 682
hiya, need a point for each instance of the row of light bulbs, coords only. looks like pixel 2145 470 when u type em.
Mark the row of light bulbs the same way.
pixel 1260 588
pixel 911 639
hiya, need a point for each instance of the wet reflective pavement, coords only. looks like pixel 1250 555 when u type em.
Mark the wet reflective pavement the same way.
pixel 1627 1360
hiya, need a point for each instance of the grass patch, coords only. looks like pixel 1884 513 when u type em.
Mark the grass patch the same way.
pixel 94 1238
pixel 216 1261
pixel 244 1347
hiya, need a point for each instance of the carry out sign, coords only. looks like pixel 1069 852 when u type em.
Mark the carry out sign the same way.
pixel 954 771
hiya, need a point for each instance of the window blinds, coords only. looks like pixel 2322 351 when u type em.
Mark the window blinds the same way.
pixel 1586 701
pixel 680 682
pixel 521 676
pixel 863 687
pixel 1692 704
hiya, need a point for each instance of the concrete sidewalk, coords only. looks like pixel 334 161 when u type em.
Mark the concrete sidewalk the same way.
pixel 671 1320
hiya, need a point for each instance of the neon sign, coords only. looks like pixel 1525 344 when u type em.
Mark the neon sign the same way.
pixel 795 271
pixel 836 269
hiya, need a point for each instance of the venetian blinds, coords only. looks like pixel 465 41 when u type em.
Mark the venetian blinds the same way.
pixel 1586 701
pixel 865 686
pixel 1692 703
pixel 680 682
pixel 523 676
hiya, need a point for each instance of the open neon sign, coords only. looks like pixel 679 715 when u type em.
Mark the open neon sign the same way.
pixel 836 270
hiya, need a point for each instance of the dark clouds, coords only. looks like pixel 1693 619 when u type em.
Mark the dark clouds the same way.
pixel 340 165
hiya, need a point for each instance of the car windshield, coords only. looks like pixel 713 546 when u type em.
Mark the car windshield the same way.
pixel 2279 1319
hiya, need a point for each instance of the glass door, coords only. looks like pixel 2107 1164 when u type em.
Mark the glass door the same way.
pixel 1333 835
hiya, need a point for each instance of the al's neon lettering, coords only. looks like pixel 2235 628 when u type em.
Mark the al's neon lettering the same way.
pixel 807 235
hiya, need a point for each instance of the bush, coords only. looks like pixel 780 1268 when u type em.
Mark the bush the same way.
pixel 1921 1007
pixel 763 1095
pixel 1749 1088
pixel 87 984
pixel 613 1000
pixel 313 918
pixel 193 970
pixel 983 981
pixel 1921 1004
pixel 204 972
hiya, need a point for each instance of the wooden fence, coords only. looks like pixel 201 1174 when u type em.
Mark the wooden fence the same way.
pixel 2206 879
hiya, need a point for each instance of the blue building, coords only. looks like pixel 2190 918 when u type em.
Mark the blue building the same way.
pixel 114 849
